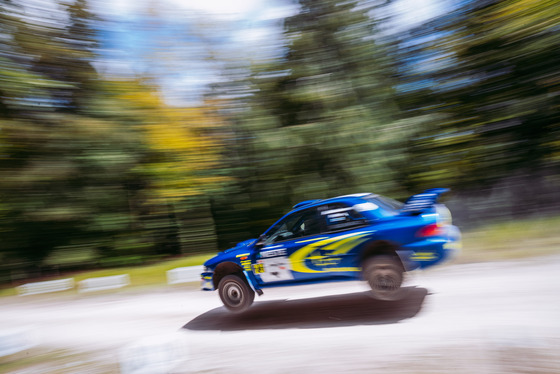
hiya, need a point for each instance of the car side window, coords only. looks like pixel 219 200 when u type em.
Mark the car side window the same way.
pixel 299 224
pixel 339 217
pixel 309 224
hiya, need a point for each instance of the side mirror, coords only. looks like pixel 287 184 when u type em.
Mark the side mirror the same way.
pixel 260 241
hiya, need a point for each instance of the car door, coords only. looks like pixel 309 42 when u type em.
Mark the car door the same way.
pixel 347 231
pixel 312 244
pixel 273 263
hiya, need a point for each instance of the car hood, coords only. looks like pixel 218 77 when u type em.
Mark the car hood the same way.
pixel 231 253
pixel 243 244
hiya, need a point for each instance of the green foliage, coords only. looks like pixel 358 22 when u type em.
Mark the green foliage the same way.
pixel 94 173
pixel 62 54
pixel 99 172
pixel 80 182
pixel 319 121
pixel 494 82
pixel 67 181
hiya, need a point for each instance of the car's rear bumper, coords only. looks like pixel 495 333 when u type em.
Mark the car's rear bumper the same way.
pixel 431 251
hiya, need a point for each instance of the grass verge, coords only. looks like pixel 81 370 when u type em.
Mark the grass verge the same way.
pixel 59 361
pixel 511 240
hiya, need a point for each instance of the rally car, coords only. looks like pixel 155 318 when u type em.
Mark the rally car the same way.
pixel 351 237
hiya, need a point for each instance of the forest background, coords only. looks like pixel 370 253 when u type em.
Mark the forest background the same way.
pixel 102 169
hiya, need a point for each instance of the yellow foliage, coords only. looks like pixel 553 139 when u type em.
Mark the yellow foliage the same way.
pixel 185 140
pixel 522 18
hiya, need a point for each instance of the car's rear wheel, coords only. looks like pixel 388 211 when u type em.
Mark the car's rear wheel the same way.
pixel 235 293
pixel 384 275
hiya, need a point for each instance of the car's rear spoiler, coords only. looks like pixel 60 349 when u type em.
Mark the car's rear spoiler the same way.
pixel 418 203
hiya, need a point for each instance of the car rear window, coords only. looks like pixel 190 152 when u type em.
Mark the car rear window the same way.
pixel 387 206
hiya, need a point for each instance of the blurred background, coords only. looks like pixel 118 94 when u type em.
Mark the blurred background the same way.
pixel 132 131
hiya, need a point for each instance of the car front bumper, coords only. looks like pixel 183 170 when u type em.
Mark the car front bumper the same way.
pixel 206 283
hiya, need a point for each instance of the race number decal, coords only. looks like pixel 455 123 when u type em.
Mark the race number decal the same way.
pixel 274 269
pixel 258 268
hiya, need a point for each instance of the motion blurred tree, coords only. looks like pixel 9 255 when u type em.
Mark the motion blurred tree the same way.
pixel 332 92
pixel 20 91
pixel 334 61
pixel 18 85
pixel 93 169
pixel 491 78
pixel 184 142
pixel 64 186
pixel 64 175
pixel 63 52
pixel 316 119
pixel 182 167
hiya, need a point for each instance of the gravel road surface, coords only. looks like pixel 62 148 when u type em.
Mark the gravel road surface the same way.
pixel 500 317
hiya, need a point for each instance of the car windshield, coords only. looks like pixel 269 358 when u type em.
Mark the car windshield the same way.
pixel 287 228
pixel 388 206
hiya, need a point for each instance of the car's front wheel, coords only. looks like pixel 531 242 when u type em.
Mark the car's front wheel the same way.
pixel 235 293
pixel 384 275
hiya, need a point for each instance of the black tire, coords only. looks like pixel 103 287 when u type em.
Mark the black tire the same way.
pixel 235 293
pixel 384 275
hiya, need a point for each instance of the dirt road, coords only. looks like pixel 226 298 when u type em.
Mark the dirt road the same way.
pixel 478 318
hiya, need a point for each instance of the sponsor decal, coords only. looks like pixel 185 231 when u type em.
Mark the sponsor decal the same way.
pixel 246 264
pixel 424 256
pixel 274 253
pixel 273 269
pixel 453 245
pixel 325 255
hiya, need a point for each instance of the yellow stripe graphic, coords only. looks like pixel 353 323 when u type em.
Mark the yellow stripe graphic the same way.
pixel 340 245
pixel 312 240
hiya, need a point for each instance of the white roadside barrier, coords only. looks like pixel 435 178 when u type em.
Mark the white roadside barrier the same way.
pixel 174 276
pixel 184 274
pixel 45 287
pixel 104 283
pixel 156 354
pixel 17 340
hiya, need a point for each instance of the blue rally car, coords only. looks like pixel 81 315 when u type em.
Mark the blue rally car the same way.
pixel 352 237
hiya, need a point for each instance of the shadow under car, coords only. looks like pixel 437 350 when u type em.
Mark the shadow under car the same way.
pixel 326 311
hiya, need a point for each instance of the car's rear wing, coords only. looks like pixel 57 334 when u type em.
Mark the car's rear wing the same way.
pixel 418 203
